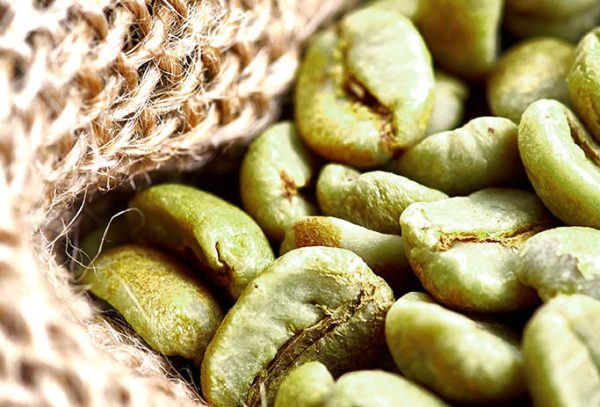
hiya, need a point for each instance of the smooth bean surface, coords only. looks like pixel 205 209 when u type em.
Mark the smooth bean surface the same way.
pixel 561 349
pixel 463 359
pixel 562 161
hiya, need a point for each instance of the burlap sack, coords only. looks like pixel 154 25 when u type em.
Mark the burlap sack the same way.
pixel 93 94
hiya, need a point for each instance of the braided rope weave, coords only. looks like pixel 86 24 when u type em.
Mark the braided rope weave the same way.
pixel 92 94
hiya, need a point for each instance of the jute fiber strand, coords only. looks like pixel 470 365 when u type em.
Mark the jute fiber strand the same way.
pixel 94 93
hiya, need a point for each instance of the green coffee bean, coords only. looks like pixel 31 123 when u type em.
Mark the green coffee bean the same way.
pixel 449 103
pixel 569 28
pixel 562 161
pixel 308 385
pixel 561 350
pixel 365 90
pixel 384 254
pixel 464 250
pixel 531 70
pixel 229 246
pixel 374 199
pixel 370 388
pixel 275 170
pixel 461 34
pixel 563 260
pixel 482 153
pixel 584 82
pixel 462 359
pixel 549 9
pixel 157 295
pixel 312 304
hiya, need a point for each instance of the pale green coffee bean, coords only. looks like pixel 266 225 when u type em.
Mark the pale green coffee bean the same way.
pixel 531 70
pixel 383 253
pixel 371 388
pixel 562 161
pixel 464 250
pixel 569 28
pixel 564 260
pixel 584 82
pixel 561 349
pixel 312 304
pixel 549 9
pixel 276 169
pixel 157 295
pixel 462 35
pixel 308 385
pixel 365 91
pixel 463 359
pixel 408 8
pixel 229 246
pixel 480 154
pixel 374 199
pixel 450 96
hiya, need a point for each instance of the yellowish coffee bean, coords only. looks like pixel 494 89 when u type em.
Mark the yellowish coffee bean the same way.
pixel 531 70
pixel 228 245
pixel 157 295
pixel 370 388
pixel 465 360
pixel 584 81
pixel 564 260
pixel 365 90
pixel 480 154
pixel 465 249
pixel 461 34
pixel 374 199
pixel 561 347
pixel 306 386
pixel 312 304
pixel 276 169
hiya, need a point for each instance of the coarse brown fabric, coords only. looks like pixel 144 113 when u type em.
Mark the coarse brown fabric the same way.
pixel 93 94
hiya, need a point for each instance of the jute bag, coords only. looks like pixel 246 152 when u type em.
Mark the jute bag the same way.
pixel 95 94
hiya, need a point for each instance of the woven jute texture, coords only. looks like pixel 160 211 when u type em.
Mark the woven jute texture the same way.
pixel 93 94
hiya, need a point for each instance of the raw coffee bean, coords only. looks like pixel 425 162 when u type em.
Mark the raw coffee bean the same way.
pixel 308 385
pixel 276 168
pixel 365 90
pixel 584 82
pixel 561 348
pixel 383 253
pixel 480 154
pixel 157 295
pixel 464 250
pixel 562 161
pixel 373 199
pixel 463 359
pixel 312 304
pixel 531 70
pixel 564 260
pixel 228 245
